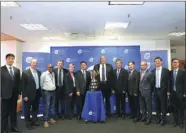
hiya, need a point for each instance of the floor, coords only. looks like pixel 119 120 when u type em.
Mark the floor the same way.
pixel 112 125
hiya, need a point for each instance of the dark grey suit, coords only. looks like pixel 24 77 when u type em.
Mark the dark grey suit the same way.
pixel 145 96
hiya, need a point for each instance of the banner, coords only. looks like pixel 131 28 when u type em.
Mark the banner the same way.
pixel 149 56
pixel 43 60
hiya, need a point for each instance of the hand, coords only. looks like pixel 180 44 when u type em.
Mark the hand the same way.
pixel 184 95
pixel 123 92
pixel 25 98
pixel 135 94
pixel 168 93
pixel 78 93
pixel 70 94
pixel 19 96
pixel 113 91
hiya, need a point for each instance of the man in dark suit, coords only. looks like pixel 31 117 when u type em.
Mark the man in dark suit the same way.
pixel 70 90
pixel 82 84
pixel 106 80
pixel 10 83
pixel 120 77
pixel 160 85
pixel 31 93
pixel 145 95
pixel 60 73
pixel 177 92
pixel 133 91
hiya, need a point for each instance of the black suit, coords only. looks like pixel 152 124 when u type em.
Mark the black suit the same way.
pixel 29 90
pixel 82 86
pixel 9 94
pixel 107 85
pixel 133 93
pixel 69 88
pixel 60 93
pixel 160 94
pixel 176 97
pixel 120 85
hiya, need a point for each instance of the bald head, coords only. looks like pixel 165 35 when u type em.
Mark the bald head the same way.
pixel 143 65
pixel 102 60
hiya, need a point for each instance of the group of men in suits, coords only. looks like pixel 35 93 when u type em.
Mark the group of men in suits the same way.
pixel 59 85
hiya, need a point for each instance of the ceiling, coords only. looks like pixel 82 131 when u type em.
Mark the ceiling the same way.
pixel 153 20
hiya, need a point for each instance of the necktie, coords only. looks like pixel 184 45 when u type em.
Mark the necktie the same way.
pixel 73 79
pixel 118 73
pixel 157 78
pixel 11 73
pixel 142 74
pixel 36 79
pixel 59 78
pixel 130 74
pixel 174 80
pixel 103 72
pixel 84 75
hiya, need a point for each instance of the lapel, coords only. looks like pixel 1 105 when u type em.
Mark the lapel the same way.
pixel 132 74
pixel 162 72
pixel 6 70
pixel 143 76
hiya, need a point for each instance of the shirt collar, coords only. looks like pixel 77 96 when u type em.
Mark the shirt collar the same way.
pixel 159 68
pixel 132 71
pixel 8 66
pixel 144 71
pixel 32 69
pixel 176 69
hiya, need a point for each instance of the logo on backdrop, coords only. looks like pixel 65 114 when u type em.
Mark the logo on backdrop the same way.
pixel 90 68
pixel 146 56
pixel 114 59
pixel 91 59
pixel 91 113
pixel 29 59
pixel 126 51
pixel 126 67
pixel 56 51
pixel 103 51
pixel 67 59
pixel 148 65
pixel 80 51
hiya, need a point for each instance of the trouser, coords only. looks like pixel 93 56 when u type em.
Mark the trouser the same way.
pixel 120 103
pixel 134 106
pixel 106 95
pixel 35 106
pixel 160 102
pixel 49 98
pixel 70 100
pixel 146 106
pixel 59 102
pixel 80 103
pixel 178 108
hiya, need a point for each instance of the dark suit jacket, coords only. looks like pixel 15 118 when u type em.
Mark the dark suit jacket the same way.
pixel 65 71
pixel 120 84
pixel 109 74
pixel 146 84
pixel 81 85
pixel 180 83
pixel 69 87
pixel 9 87
pixel 165 82
pixel 28 84
pixel 133 83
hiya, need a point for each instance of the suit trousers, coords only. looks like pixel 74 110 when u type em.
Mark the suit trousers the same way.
pixel 120 103
pixel 134 106
pixel 178 108
pixel 59 102
pixel 106 95
pixel 70 101
pixel 160 103
pixel 80 103
pixel 35 106
pixel 146 106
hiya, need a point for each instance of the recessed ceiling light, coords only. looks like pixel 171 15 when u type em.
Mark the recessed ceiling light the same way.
pixel 53 38
pixel 34 26
pixel 110 25
pixel 125 3
pixel 9 4
pixel 177 34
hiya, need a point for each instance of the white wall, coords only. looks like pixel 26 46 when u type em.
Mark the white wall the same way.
pixel 180 52
pixel 144 45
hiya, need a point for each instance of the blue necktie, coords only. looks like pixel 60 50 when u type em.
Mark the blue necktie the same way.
pixel 174 80
pixel 117 73
pixel 11 73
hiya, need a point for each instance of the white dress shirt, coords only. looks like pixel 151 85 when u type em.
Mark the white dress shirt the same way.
pixel 158 77
pixel 48 81
pixel 100 71
pixel 8 67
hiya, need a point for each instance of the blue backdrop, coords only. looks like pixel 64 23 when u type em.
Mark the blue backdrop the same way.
pixel 91 55
pixel 149 56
